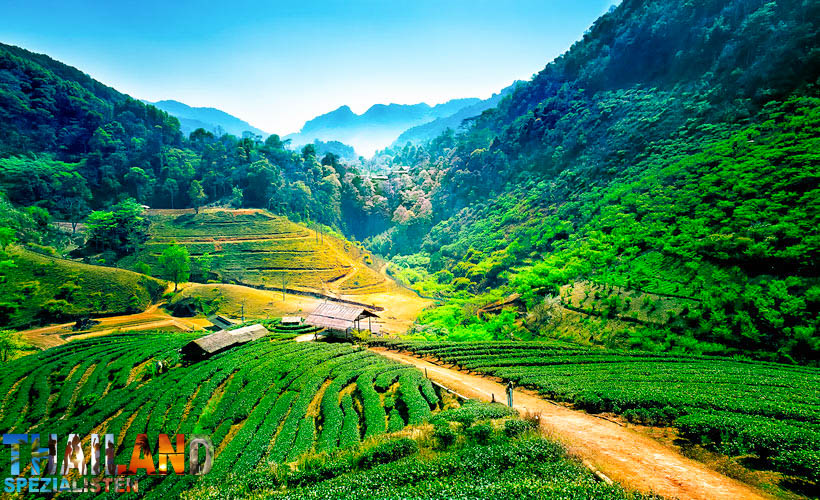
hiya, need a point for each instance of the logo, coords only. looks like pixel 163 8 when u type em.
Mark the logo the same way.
pixel 78 474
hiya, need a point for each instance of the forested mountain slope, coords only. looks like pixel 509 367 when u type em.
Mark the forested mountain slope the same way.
pixel 70 144
pixel 671 151
pixel 213 120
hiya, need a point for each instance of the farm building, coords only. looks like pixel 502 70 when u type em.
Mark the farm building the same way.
pixel 292 320
pixel 342 318
pixel 221 321
pixel 222 340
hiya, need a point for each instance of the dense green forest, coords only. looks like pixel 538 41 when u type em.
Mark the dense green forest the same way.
pixel 670 154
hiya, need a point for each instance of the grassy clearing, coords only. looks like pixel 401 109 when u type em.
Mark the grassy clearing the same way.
pixel 49 289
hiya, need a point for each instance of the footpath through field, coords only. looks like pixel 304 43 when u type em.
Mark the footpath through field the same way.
pixel 632 459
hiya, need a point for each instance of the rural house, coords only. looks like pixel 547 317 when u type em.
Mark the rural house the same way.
pixel 342 318
pixel 222 340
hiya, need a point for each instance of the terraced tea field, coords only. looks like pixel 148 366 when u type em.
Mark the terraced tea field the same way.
pixel 267 401
pixel 768 410
pixel 258 249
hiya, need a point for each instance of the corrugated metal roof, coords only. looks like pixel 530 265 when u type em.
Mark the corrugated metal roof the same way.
pixel 220 321
pixel 337 316
pixel 332 323
pixel 223 338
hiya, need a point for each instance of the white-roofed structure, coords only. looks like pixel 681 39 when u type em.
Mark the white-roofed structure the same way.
pixel 340 317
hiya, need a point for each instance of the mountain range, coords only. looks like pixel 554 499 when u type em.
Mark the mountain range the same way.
pixel 211 119
pixel 378 127
pixel 428 131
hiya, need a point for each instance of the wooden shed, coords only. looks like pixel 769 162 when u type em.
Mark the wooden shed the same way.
pixel 341 318
pixel 222 340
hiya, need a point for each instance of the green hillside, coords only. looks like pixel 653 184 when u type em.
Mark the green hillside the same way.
pixel 259 249
pixel 736 407
pixel 42 289
pixel 684 189
pixel 266 401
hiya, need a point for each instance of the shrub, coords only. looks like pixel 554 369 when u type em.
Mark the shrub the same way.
pixel 387 452
pixel 516 427
pixel 319 469
pixel 480 433
pixel 444 436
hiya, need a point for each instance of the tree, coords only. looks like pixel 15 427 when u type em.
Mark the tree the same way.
pixel 9 343
pixel 171 187
pixel 204 263
pixel 236 197
pixel 263 180
pixel 175 264
pixel 196 194
pixel 121 229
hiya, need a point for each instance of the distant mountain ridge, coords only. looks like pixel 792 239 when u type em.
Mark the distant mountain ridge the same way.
pixel 211 119
pixel 377 127
pixel 431 130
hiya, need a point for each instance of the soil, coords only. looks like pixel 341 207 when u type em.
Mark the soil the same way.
pixel 634 460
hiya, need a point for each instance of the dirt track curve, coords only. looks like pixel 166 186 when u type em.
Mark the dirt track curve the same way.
pixel 632 459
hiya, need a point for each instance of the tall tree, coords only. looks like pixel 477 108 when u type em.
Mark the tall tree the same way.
pixel 196 194
pixel 175 264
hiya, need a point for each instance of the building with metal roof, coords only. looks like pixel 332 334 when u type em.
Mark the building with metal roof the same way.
pixel 341 317
pixel 292 320
pixel 222 340
pixel 220 321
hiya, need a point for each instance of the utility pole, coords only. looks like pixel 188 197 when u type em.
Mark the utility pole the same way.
pixel 243 310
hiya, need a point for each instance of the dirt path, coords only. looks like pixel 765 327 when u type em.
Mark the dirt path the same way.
pixel 632 459
pixel 307 337
pixel 151 318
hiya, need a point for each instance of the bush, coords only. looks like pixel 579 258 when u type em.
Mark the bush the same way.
pixel 472 411
pixel 387 452
pixel 590 402
pixel 444 436
pixel 480 433
pixel 517 427
pixel 319 469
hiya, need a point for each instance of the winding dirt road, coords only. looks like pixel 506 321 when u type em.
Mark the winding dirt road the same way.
pixel 632 459
pixel 151 319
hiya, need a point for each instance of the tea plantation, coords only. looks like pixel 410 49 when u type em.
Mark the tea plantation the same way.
pixel 266 401
pixel 735 406
pixel 478 450
pixel 256 248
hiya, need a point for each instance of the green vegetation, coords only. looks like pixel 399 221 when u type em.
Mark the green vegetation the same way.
pixel 257 248
pixel 46 289
pixel 481 460
pixel 735 406
pixel 265 401
pixel 175 264
pixel 719 247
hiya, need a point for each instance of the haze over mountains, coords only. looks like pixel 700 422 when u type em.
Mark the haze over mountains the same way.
pixel 211 119
pixel 382 124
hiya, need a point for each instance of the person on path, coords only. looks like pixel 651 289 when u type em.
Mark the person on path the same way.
pixel 510 394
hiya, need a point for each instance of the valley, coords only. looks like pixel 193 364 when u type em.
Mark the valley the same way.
pixel 626 245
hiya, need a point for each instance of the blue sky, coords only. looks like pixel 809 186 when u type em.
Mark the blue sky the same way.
pixel 277 64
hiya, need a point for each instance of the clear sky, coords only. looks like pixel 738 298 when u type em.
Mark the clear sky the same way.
pixel 277 64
